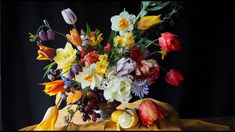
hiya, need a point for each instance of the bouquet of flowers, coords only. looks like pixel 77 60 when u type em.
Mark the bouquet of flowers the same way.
pixel 88 71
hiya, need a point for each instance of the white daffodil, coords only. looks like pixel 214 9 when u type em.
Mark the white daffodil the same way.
pixel 118 88
pixel 89 77
pixel 123 22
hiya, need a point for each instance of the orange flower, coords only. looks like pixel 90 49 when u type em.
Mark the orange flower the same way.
pixel 45 53
pixel 74 37
pixel 73 97
pixel 52 88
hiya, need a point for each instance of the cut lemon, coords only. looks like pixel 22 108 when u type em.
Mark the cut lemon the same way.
pixel 128 119
pixel 115 115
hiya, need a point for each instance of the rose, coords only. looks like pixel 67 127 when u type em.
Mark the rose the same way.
pixel 125 66
pixel 174 77
pixel 169 42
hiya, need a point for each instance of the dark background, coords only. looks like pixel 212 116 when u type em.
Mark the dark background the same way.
pixel 207 60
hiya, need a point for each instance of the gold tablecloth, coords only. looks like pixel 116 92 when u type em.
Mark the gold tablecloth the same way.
pixel 171 122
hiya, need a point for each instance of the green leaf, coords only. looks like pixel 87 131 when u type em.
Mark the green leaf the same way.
pixel 159 7
pixel 112 35
pixel 88 29
pixel 48 67
pixel 97 32
pixel 71 111
pixel 143 13
pixel 145 4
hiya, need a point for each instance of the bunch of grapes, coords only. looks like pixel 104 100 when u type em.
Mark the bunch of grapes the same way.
pixel 90 103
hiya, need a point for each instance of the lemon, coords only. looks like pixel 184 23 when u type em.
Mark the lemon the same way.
pixel 128 119
pixel 115 115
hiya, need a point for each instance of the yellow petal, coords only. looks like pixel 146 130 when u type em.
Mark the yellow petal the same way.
pixel 49 120
pixel 148 21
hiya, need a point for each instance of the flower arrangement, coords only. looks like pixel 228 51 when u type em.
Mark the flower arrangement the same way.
pixel 88 71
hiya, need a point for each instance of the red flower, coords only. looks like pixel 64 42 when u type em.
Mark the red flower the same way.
pixel 136 54
pixel 174 77
pixel 92 57
pixel 83 53
pixel 107 47
pixel 169 42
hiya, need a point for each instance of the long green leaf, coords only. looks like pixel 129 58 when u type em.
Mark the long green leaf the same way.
pixel 159 7
pixel 88 29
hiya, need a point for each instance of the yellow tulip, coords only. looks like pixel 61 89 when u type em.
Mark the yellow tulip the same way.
pixel 148 21
pixel 49 120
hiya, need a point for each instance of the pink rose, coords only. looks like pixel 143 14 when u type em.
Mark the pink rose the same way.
pixel 169 42
pixel 174 77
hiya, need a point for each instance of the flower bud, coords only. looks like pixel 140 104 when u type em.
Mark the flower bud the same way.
pixel 51 77
pixel 76 68
pixel 174 77
pixel 69 16
pixel 43 35
pixel 151 113
pixel 50 34
pixel 71 74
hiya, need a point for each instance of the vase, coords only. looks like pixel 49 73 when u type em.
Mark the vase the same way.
pixel 106 109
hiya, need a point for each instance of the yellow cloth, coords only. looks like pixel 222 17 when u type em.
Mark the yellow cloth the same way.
pixel 171 122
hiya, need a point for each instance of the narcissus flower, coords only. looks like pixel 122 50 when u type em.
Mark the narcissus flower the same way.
pixel 169 42
pixel 45 53
pixel 69 16
pixel 52 88
pixel 49 120
pixel 74 37
pixel 123 22
pixel 148 21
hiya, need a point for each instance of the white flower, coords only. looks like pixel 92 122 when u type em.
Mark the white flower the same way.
pixel 118 88
pixel 89 77
pixel 123 22
pixel 69 16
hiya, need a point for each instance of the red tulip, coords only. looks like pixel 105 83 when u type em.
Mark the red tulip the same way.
pixel 150 112
pixel 174 77
pixel 169 42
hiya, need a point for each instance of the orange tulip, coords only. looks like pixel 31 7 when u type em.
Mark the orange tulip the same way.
pixel 52 88
pixel 74 37
pixel 49 120
pixel 45 53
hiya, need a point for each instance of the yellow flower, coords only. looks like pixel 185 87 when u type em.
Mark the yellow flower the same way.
pixel 101 67
pixel 65 58
pixel 103 57
pixel 52 88
pixel 74 37
pixel 95 41
pixel 129 39
pixel 89 77
pixel 49 120
pixel 163 53
pixel 148 21
pixel 118 41
pixel 73 97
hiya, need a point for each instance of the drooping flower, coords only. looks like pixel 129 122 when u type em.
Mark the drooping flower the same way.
pixel 169 42
pixel 174 77
pixel 148 21
pixel 42 35
pixel 118 88
pixel 50 34
pixel 73 96
pixel 140 88
pixel 49 120
pixel 45 53
pixel 123 22
pixel 74 37
pixel 52 88
pixel 89 77
pixel 65 58
pixel 125 66
pixel 69 16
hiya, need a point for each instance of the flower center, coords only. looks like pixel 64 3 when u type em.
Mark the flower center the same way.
pixel 123 24
pixel 88 78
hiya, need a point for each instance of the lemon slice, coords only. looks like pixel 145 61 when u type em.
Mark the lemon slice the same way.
pixel 115 115
pixel 128 119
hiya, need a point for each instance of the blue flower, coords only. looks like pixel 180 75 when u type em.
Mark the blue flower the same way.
pixel 140 88
pixel 67 82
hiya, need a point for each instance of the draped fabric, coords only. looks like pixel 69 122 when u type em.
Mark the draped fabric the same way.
pixel 206 31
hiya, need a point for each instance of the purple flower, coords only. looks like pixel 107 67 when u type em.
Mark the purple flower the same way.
pixel 71 74
pixel 140 88
pixel 125 66
pixel 42 35
pixel 50 34
pixel 76 68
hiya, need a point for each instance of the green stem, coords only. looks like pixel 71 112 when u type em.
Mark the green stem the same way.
pixel 42 26
pixel 164 69
pixel 151 43
pixel 58 103
pixel 153 53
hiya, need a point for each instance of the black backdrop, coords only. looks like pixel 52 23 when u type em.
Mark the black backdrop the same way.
pixel 207 61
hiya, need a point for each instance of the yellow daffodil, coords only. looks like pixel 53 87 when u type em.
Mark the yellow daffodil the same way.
pixel 52 88
pixel 148 21
pixel 129 39
pixel 45 53
pixel 89 77
pixel 49 120
pixel 103 57
pixel 73 97
pixel 95 41
pixel 118 41
pixel 65 58
pixel 74 37
pixel 101 67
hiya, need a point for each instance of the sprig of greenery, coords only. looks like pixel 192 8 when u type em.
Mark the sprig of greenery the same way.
pixel 48 67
